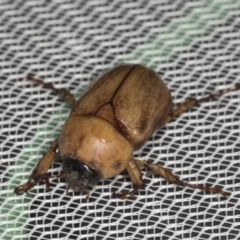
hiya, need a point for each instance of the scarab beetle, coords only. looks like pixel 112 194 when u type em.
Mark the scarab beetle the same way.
pixel 114 117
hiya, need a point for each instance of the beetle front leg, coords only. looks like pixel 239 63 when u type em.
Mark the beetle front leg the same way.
pixel 136 177
pixel 64 93
pixel 40 171
pixel 165 173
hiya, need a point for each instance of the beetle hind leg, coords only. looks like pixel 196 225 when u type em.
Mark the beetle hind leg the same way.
pixel 165 173
pixel 191 102
pixel 64 93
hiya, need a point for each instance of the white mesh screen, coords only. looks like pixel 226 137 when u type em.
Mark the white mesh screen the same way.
pixel 195 47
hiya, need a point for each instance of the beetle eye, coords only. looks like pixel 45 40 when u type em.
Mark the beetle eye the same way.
pixel 79 174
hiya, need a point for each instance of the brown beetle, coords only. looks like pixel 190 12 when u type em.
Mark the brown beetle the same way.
pixel 115 117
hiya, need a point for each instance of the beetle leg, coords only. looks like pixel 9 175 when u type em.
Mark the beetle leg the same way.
pixel 136 177
pixel 191 102
pixel 40 171
pixel 64 93
pixel 135 174
pixel 125 195
pixel 86 191
pixel 61 175
pixel 165 173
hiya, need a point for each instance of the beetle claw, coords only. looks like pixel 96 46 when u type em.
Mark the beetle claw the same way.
pixel 19 190
pixel 23 189
pixel 124 195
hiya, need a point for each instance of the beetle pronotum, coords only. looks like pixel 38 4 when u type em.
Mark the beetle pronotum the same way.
pixel 115 117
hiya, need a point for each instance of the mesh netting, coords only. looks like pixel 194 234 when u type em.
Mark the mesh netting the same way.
pixel 193 45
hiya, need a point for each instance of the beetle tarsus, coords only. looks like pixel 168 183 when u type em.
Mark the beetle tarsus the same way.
pixel 191 102
pixel 125 195
pixel 203 188
pixel 64 93
pixel 219 93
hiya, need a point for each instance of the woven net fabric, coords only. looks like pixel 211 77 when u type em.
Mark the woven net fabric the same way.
pixel 193 45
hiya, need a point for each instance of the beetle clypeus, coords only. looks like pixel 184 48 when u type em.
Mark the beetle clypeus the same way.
pixel 117 114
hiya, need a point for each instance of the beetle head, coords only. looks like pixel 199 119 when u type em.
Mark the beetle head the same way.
pixel 79 176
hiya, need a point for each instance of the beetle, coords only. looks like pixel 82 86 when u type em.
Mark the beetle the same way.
pixel 113 118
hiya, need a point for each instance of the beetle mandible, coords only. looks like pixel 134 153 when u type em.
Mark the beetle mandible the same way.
pixel 115 117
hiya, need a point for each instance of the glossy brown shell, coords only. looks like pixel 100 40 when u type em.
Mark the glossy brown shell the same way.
pixel 133 98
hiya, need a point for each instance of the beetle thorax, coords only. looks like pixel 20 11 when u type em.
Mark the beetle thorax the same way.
pixel 96 143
